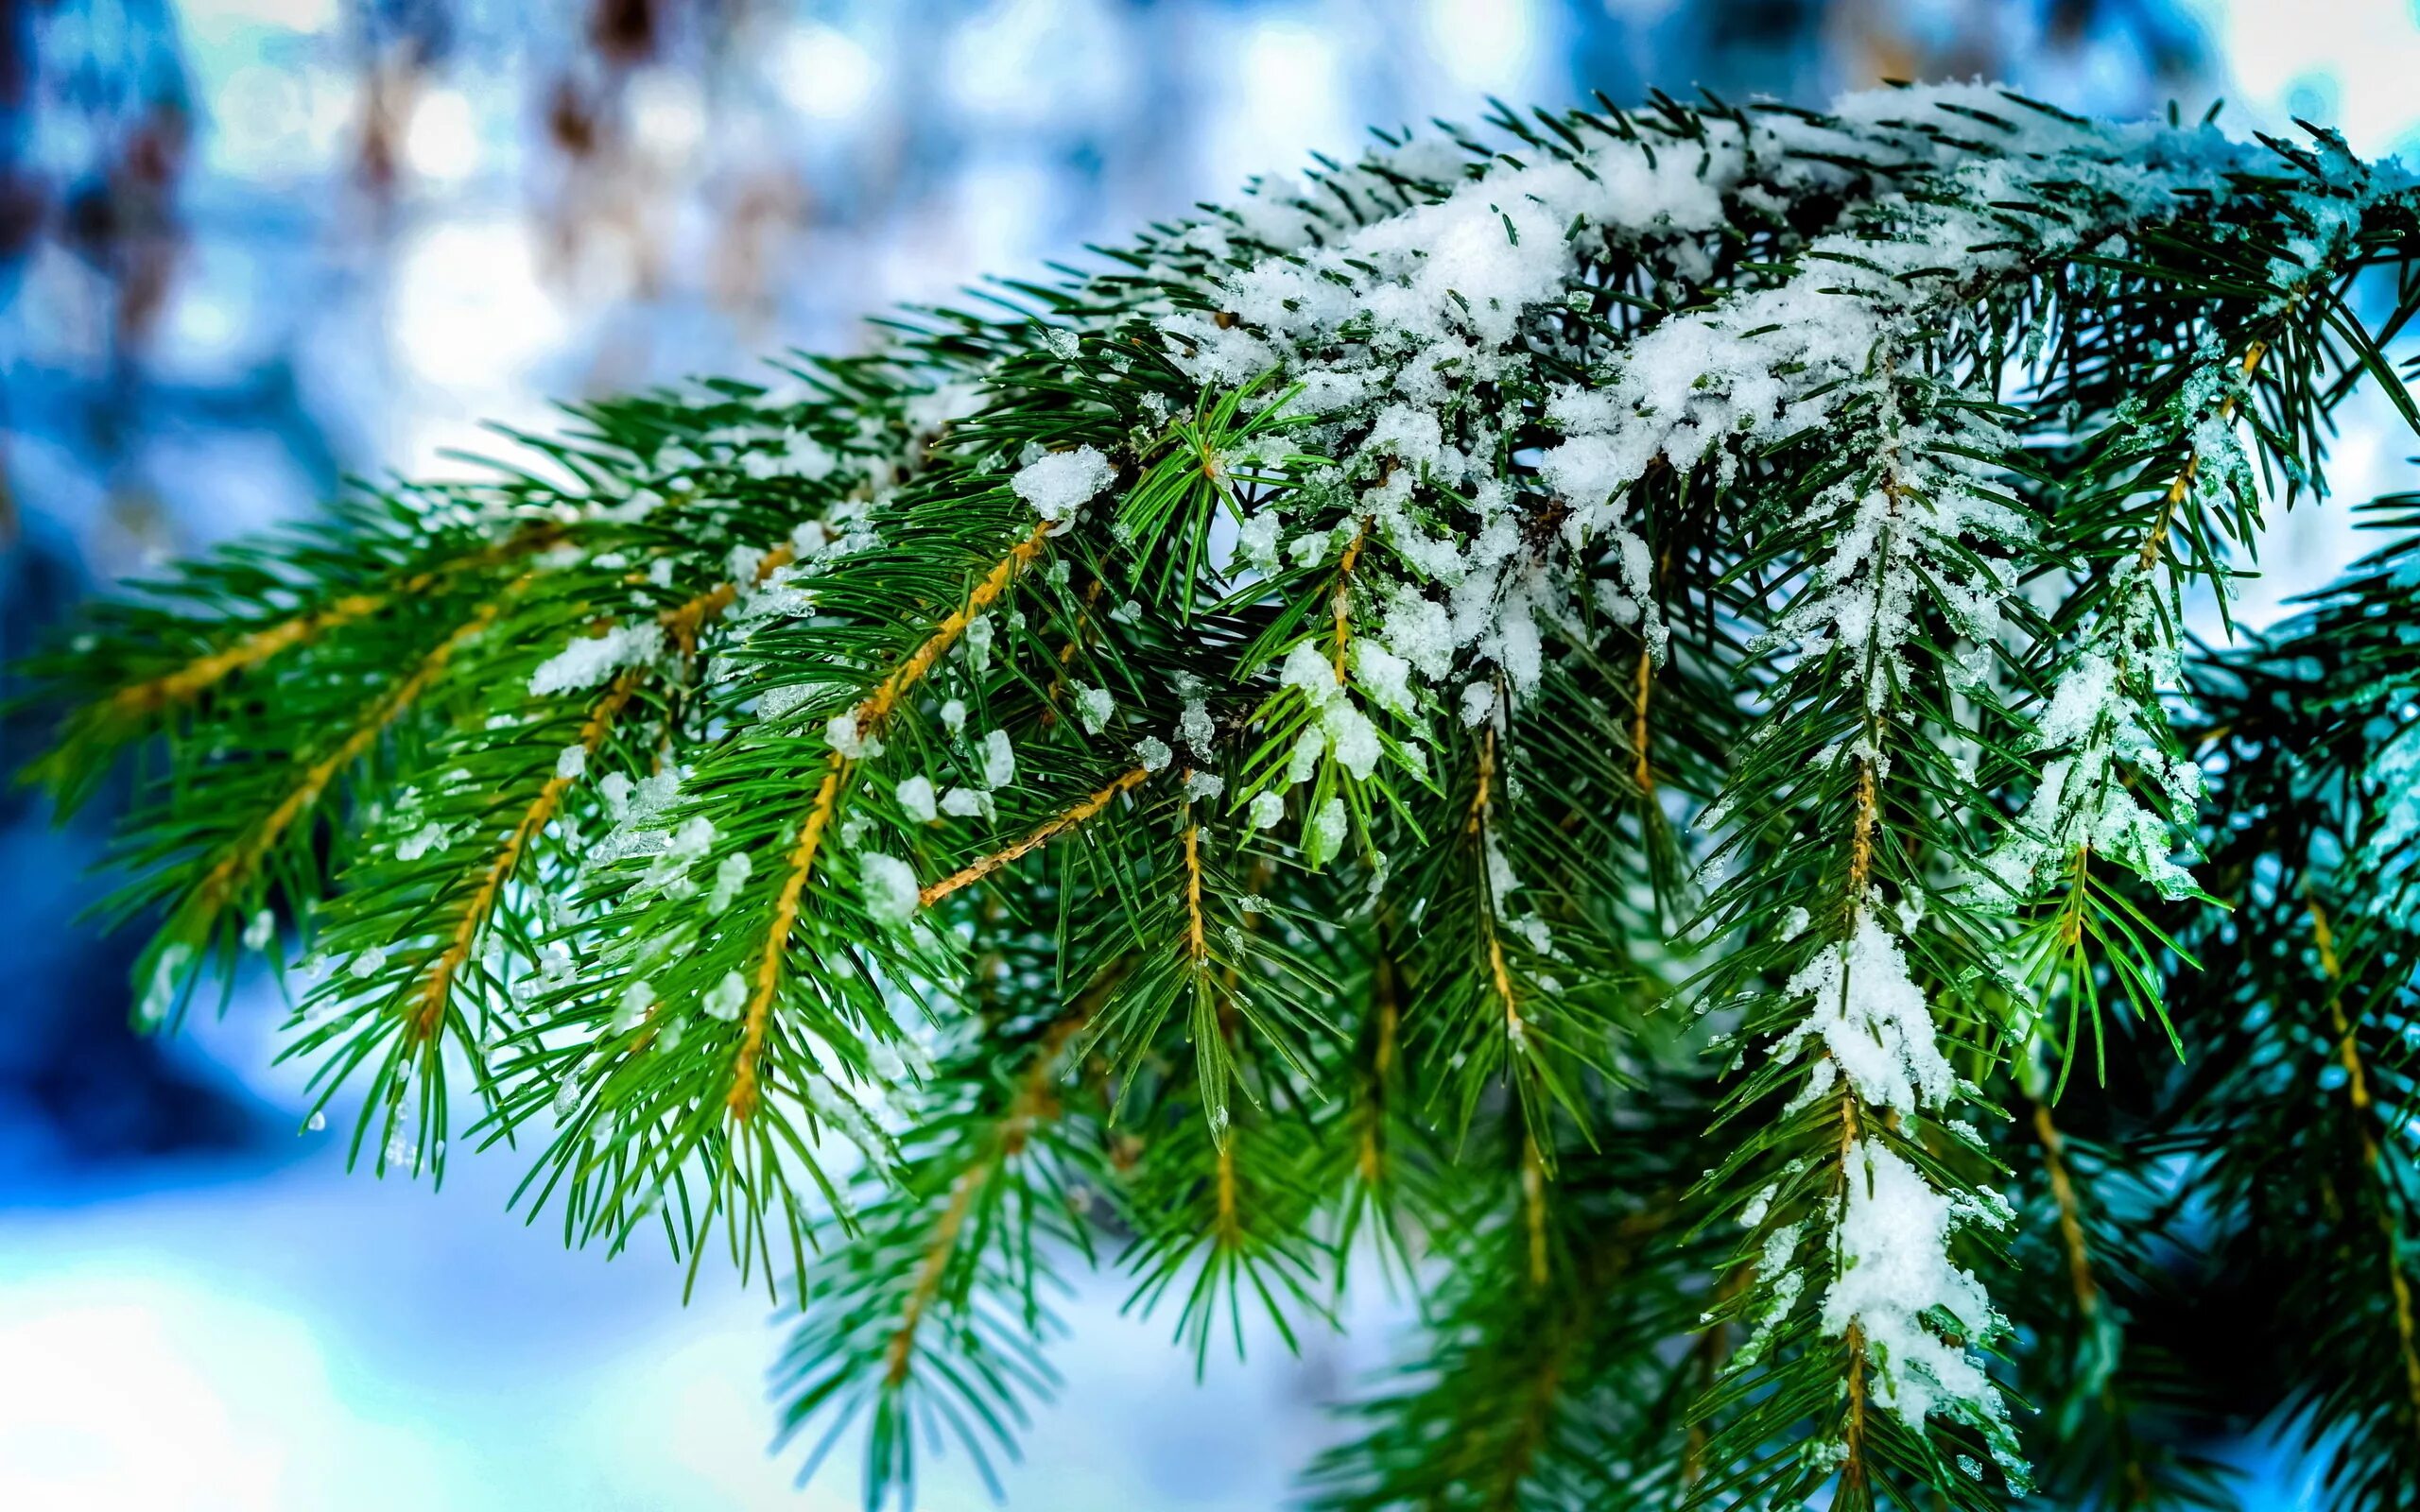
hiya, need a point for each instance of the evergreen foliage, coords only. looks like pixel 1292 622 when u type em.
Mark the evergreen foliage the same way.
pixel 1593 714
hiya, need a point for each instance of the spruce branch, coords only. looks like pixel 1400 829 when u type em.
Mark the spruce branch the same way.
pixel 1300 739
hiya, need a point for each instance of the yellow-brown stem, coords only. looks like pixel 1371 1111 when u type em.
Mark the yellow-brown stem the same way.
pixel 2356 1092
pixel 682 624
pixel 219 883
pixel 1341 601
pixel 1033 1104
pixel 2183 486
pixel 1196 938
pixel 2062 1191
pixel 1861 835
pixel 1528 1438
pixel 1390 1024
pixel 879 704
pixel 437 986
pixel 975 871
pixel 1486 782
pixel 743 1096
pixel 1230 1229
pixel 1533 1206
pixel 871 712
pixel 1597 1275
pixel 1498 971
pixel 203 673
pixel 1373 1083
pixel 194 676
pixel 2071 925
pixel 2165 518
pixel 2324 938
pixel 1641 769
pixel 929 1275
pixel 1853 1471
pixel 2154 540
pixel 2088 1292
pixel 1514 1028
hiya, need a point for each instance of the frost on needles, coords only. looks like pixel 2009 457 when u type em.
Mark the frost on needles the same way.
pixel 1579 711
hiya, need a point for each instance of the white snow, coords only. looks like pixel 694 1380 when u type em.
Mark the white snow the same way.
pixel 967 802
pixel 1899 543
pixel 846 734
pixel 630 1009
pixel 999 759
pixel 1898 1284
pixel 1094 708
pixel 1783 1284
pixel 1386 677
pixel 1420 631
pixel 428 838
pixel 1194 727
pixel 1064 482
pixel 730 874
pixel 1324 837
pixel 2094 729
pixel 916 799
pixel 1478 703
pixel 1872 1020
pixel 1768 361
pixel 588 662
pixel 726 998
pixel 684 847
pixel 1305 760
pixel 1268 808
pixel 1342 727
pixel 890 891
pixel 798 457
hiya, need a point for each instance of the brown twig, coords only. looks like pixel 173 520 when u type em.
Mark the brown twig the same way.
pixel 869 713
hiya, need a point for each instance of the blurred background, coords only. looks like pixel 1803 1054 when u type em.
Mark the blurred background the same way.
pixel 250 245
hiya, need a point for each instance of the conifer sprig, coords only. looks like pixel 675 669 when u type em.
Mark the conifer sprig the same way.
pixel 1306 739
